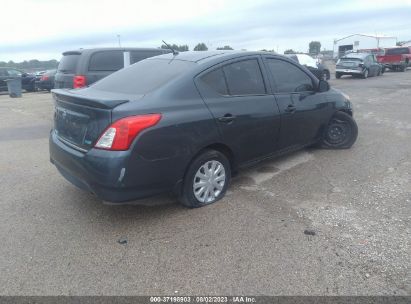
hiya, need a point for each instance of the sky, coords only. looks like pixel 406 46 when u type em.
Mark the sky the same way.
pixel 43 29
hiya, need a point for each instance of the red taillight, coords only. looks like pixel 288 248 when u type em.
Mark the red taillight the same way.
pixel 44 77
pixel 79 81
pixel 121 133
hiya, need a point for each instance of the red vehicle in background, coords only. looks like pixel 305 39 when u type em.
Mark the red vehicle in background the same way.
pixel 396 58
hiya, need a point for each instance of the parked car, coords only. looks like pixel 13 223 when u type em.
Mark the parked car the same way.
pixel 315 67
pixel 46 80
pixel 187 122
pixel 396 59
pixel 362 65
pixel 85 66
pixel 27 80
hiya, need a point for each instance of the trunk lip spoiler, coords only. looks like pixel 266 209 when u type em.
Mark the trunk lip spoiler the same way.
pixel 64 95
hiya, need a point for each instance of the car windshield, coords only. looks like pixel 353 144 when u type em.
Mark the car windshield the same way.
pixel 143 76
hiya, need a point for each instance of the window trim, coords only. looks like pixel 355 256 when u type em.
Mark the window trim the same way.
pixel 221 66
pixel 314 81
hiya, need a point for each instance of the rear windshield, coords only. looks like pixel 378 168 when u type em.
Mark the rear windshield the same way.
pixel 398 51
pixel 68 63
pixel 143 76
pixel 351 59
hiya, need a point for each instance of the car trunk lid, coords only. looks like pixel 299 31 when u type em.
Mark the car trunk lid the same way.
pixel 80 119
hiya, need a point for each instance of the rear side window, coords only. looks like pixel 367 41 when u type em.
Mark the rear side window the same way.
pixel 68 63
pixel 144 76
pixel 106 61
pixel 244 78
pixel 136 56
pixel 216 81
pixel 289 78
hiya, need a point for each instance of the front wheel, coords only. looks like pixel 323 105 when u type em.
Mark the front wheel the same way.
pixel 337 75
pixel 206 180
pixel 341 132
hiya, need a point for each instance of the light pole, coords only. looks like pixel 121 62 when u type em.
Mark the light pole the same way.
pixel 119 40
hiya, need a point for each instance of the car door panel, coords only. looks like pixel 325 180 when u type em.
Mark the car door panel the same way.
pixel 303 110
pixel 248 124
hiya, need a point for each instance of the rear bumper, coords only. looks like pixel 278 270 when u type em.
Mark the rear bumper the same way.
pixel 349 71
pixel 112 176
pixel 44 85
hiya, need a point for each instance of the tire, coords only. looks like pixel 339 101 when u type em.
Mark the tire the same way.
pixel 379 72
pixel 337 75
pixel 340 133
pixel 192 179
pixel 365 74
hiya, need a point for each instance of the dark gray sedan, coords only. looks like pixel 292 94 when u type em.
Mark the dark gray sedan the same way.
pixel 187 122
pixel 362 65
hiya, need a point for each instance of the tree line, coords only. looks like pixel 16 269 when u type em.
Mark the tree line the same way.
pixel 33 64
pixel 199 47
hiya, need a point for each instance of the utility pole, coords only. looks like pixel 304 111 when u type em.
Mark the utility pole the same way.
pixel 119 40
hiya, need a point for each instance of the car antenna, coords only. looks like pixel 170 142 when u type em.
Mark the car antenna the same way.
pixel 173 50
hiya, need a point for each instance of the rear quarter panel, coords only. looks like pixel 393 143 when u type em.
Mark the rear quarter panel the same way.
pixel 185 128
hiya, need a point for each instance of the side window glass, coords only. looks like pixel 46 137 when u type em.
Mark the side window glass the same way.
pixel 216 81
pixel 106 61
pixel 244 78
pixel 289 78
pixel 136 56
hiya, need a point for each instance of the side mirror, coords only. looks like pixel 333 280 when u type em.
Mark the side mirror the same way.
pixel 323 86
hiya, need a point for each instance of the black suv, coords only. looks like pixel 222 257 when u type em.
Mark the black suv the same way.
pixel 83 67
pixel 27 80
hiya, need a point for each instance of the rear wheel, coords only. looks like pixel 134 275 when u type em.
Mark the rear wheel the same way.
pixel 341 132
pixel 206 180
pixel 365 74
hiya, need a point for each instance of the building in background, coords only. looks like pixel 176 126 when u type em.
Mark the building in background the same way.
pixel 360 41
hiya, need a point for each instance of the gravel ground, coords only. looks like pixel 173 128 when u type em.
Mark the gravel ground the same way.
pixel 316 222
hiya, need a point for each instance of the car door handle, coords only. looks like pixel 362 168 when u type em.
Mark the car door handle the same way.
pixel 227 118
pixel 290 109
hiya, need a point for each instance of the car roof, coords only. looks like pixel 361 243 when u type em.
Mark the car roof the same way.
pixel 91 50
pixel 206 56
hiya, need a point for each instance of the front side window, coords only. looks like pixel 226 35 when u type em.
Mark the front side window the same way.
pixel 244 78
pixel 289 78
pixel 106 61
